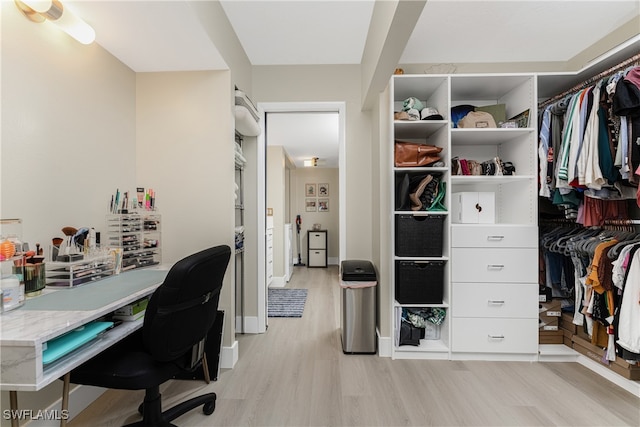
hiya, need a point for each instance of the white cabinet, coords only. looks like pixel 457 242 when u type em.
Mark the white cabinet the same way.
pixel 317 248
pixel 288 252
pixel 490 256
pixel 269 252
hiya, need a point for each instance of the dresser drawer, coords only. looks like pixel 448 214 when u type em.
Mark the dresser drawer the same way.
pixel 495 335
pixel 515 300
pixel 494 265
pixel 317 239
pixel 317 258
pixel 494 236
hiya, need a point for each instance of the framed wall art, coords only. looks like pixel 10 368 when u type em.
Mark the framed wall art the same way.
pixel 323 190
pixel 310 190
pixel 310 205
pixel 323 205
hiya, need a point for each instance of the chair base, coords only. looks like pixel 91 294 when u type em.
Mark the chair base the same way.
pixel 152 415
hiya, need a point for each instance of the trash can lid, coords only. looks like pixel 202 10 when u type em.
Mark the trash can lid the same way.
pixel 354 284
pixel 358 270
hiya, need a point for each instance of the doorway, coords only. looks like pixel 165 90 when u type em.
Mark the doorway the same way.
pixel 294 107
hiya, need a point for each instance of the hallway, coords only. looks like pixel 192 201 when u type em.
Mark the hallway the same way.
pixel 297 375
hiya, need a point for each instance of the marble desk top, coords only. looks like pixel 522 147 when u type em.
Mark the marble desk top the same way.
pixel 24 330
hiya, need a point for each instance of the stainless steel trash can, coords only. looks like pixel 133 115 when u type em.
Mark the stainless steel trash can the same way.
pixel 358 307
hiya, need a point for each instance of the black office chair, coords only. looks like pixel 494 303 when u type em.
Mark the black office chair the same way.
pixel 179 315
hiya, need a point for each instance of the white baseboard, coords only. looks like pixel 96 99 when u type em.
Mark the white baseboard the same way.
pixel 229 356
pixel 632 387
pixel 278 282
pixel 80 397
pixel 250 325
pixel 384 346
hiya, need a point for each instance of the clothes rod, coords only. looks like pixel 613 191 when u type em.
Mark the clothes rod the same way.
pixel 622 221
pixel 634 60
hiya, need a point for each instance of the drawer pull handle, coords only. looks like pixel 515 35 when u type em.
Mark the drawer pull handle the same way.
pixel 496 337
pixel 495 266
pixel 495 237
pixel 496 301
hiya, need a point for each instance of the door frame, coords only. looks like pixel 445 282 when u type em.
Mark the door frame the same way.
pixel 289 107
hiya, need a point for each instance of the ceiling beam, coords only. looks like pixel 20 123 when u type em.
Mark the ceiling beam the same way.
pixel 391 26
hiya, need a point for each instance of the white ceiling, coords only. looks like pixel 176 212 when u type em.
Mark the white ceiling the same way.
pixel 305 135
pixel 167 36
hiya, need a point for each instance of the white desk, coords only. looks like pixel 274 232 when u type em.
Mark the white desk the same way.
pixel 24 330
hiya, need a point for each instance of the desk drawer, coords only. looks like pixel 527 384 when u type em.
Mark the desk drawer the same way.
pixel 494 265
pixel 494 236
pixel 502 300
pixel 478 335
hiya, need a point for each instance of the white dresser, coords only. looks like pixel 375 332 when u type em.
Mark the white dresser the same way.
pixel 494 285
pixel 269 250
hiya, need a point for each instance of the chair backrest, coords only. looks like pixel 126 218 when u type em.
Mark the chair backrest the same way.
pixel 183 309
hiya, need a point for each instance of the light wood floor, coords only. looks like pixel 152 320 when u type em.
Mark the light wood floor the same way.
pixel 297 375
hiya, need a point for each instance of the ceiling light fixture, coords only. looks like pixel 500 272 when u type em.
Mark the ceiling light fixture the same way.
pixel 53 11
pixel 313 162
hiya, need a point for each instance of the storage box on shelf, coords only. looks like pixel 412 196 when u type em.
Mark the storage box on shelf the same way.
pixel 152 235
pixel 140 247
pixel 74 273
pixel 420 231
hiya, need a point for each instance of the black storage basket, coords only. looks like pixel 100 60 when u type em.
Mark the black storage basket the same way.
pixel 419 235
pixel 419 282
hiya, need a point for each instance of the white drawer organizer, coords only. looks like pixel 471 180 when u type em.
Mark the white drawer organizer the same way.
pixel 494 275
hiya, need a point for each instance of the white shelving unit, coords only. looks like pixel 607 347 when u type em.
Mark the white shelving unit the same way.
pixel 490 276
pixel 411 264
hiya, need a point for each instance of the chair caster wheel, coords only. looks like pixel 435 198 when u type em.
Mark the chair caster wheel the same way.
pixel 209 407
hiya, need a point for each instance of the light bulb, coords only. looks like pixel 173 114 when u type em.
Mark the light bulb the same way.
pixel 40 6
pixel 75 27
pixel 63 18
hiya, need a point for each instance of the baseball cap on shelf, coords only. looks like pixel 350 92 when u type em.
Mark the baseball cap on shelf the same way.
pixel 430 113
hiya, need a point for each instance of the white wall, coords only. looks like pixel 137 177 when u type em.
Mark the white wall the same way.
pixel 67 139
pixel 185 152
pixel 277 200
pixel 339 83
pixel 329 220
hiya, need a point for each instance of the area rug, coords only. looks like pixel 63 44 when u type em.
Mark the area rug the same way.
pixel 284 302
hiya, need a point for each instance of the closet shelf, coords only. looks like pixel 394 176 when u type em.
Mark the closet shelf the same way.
pixel 443 305
pixel 422 169
pixel 421 258
pixel 425 213
pixel 492 179
pixel 425 346
pixel 486 136
pixel 418 129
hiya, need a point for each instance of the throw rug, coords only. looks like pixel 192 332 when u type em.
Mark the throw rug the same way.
pixel 284 302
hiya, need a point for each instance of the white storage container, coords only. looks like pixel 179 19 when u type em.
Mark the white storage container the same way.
pixel 473 207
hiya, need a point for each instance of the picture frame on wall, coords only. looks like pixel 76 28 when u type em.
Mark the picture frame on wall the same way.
pixel 323 205
pixel 323 190
pixel 310 190
pixel 310 205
